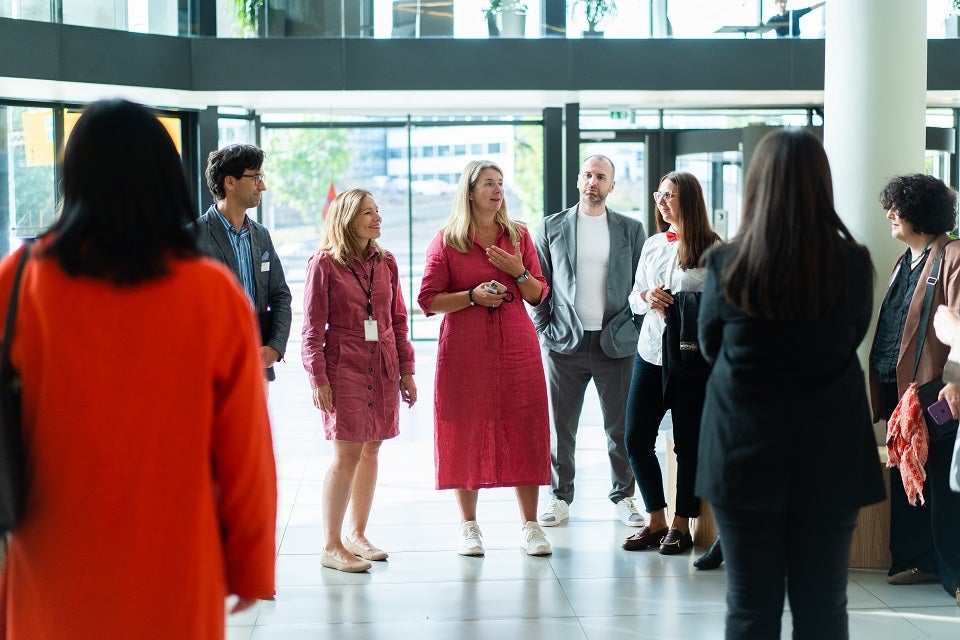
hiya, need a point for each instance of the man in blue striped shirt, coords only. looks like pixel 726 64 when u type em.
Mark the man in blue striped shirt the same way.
pixel 235 178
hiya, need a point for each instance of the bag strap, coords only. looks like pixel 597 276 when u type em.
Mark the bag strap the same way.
pixel 932 280
pixel 5 364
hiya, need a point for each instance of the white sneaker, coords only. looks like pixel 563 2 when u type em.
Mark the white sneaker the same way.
pixel 628 514
pixel 557 512
pixel 471 540
pixel 534 541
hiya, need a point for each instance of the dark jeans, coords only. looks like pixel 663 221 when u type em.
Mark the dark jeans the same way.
pixel 646 405
pixel 766 554
pixel 926 537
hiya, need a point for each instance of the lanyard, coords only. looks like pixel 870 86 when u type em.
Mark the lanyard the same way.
pixel 364 289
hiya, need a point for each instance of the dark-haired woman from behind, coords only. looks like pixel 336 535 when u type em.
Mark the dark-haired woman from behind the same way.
pixel 151 480
pixel 786 429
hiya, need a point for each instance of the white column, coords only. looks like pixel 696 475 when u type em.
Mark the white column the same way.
pixel 874 127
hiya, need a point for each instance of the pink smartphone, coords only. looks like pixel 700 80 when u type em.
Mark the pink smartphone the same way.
pixel 940 411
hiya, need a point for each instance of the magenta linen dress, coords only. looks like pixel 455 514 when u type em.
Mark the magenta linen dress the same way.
pixel 490 398
pixel 364 376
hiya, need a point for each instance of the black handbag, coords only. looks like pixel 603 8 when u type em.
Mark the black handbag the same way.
pixel 12 454
pixel 681 346
pixel 265 320
pixel 929 392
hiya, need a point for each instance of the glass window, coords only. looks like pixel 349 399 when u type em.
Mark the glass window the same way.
pixel 493 147
pixel 460 150
pixel 476 149
pixel 27 173
pixel 144 16
pixel 26 9
pixel 732 118
pixel 429 152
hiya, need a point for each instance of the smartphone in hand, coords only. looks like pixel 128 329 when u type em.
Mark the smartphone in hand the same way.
pixel 494 287
pixel 940 411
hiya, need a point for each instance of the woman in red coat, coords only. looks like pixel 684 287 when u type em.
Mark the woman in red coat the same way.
pixel 151 479
pixel 360 363
pixel 490 412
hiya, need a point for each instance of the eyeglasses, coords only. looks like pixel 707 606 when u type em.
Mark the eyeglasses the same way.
pixel 258 178
pixel 662 195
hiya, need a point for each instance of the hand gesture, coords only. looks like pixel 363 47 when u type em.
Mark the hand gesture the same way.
pixel 510 263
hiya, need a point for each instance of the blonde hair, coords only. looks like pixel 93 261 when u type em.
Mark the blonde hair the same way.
pixel 460 228
pixel 340 239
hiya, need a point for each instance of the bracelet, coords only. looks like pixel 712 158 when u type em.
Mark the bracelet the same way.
pixel 470 295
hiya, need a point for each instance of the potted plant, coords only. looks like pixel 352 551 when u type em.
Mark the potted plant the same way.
pixel 594 11
pixel 952 23
pixel 513 17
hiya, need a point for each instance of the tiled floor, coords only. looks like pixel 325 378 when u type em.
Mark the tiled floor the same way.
pixel 588 589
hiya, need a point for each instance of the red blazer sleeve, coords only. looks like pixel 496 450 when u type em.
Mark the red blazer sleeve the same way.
pixel 242 450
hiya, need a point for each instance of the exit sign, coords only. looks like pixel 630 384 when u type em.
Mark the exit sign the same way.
pixel 620 115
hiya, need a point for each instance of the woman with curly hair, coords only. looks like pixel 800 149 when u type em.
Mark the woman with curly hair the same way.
pixel 924 543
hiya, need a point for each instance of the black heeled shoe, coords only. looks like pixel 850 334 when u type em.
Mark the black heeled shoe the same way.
pixel 712 559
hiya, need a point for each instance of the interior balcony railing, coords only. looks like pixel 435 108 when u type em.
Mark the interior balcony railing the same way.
pixel 467 19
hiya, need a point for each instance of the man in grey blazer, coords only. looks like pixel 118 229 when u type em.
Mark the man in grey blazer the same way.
pixel 226 233
pixel 589 255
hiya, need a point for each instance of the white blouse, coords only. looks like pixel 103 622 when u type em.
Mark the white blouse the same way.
pixel 658 265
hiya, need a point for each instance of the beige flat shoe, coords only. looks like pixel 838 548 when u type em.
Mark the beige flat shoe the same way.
pixel 367 553
pixel 331 562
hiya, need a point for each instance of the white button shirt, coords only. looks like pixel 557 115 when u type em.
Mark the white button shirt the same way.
pixel 658 266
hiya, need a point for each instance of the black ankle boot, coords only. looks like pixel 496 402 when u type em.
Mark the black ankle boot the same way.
pixel 712 558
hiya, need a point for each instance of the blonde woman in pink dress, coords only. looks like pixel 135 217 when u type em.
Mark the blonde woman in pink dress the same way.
pixel 360 364
pixel 490 397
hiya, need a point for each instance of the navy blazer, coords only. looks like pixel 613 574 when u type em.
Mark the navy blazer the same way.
pixel 786 423
pixel 271 287
pixel 555 318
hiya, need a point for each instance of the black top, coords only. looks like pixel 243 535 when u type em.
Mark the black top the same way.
pixel 893 317
pixel 786 424
pixel 794 15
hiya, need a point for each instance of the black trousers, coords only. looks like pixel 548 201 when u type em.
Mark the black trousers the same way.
pixel 767 554
pixel 647 403
pixel 926 536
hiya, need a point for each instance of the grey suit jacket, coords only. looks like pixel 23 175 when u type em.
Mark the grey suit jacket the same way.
pixel 556 320
pixel 271 287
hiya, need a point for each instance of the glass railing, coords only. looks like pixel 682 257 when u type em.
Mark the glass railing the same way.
pixel 461 19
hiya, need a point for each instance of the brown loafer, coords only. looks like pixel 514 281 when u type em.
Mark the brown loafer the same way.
pixel 675 542
pixel 644 539
pixel 912 576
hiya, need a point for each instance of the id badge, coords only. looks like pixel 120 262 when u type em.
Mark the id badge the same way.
pixel 370 330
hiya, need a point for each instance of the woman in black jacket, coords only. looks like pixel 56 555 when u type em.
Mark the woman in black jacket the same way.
pixel 786 429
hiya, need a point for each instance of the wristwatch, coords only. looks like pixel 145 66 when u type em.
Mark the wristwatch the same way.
pixel 523 276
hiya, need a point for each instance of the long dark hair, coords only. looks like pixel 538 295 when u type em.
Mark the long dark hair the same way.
pixel 789 259
pixel 696 234
pixel 125 199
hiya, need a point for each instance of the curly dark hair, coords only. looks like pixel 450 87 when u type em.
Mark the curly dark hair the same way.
pixel 925 202
pixel 231 160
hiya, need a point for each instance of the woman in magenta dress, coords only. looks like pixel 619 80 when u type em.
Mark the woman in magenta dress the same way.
pixel 360 363
pixel 490 400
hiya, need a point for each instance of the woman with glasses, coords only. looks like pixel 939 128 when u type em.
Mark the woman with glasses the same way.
pixel 669 262
pixel 360 364
pixel 924 538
